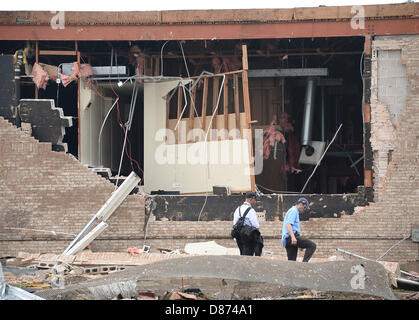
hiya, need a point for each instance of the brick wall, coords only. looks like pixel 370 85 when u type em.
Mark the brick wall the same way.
pixel 42 190
pixel 47 190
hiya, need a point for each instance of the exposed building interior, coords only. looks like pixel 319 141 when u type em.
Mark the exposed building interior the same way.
pixel 300 91
pixel 132 138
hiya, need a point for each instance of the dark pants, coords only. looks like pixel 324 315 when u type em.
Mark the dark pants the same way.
pixel 292 250
pixel 250 248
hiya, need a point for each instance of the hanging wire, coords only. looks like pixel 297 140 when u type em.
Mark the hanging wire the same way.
pixel 205 142
pixel 398 243
pixel 318 162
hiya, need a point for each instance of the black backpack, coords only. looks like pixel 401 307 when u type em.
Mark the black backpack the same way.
pixel 235 231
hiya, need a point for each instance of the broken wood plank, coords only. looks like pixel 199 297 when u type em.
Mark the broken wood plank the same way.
pixel 216 82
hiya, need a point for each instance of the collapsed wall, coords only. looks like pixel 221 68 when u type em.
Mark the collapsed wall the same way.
pixel 371 231
pixel 48 197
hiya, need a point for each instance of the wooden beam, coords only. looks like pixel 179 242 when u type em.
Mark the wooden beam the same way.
pixel 367 45
pixel 179 111
pixel 236 103
pixel 192 109
pixel 78 104
pixel 244 58
pixel 57 53
pixel 37 61
pixel 368 178
pixel 167 110
pixel 179 101
pixel 157 65
pixel 221 31
pixel 215 87
pixel 148 66
pixel 225 100
pixel 246 100
pixel 204 103
pixel 367 113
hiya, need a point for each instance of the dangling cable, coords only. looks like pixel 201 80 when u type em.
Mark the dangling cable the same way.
pixel 205 142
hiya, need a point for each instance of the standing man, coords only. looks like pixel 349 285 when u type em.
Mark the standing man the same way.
pixel 291 238
pixel 249 247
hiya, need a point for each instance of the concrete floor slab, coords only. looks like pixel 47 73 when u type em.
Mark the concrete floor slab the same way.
pixel 361 277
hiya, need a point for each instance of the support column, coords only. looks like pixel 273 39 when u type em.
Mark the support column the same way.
pixel 246 100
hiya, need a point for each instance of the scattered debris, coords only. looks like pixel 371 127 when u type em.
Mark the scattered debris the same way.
pixel 414 277
pixel 146 295
pixel 170 251
pixel 186 294
pixel 210 247
pixel 127 289
pixel 133 251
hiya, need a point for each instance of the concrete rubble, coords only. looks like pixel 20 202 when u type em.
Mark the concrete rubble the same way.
pixel 203 270
pixel 181 274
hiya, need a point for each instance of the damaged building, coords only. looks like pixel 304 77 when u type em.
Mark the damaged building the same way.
pixel 204 106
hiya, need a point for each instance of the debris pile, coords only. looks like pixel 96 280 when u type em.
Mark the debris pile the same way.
pixel 199 273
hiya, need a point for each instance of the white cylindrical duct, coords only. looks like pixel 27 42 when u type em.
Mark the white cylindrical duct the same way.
pixel 308 112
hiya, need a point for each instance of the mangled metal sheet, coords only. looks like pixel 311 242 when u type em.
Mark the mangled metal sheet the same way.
pixel 8 292
pixel 366 277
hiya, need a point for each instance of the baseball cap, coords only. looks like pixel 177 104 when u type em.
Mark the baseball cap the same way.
pixel 253 195
pixel 304 202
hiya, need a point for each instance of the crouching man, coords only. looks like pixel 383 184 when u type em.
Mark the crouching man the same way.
pixel 291 238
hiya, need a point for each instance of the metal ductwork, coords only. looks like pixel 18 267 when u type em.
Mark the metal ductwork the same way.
pixel 308 114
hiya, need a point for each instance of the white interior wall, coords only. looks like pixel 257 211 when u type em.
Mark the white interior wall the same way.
pixel 184 167
pixel 93 110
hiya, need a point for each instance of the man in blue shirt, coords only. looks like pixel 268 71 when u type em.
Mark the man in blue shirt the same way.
pixel 255 245
pixel 291 238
